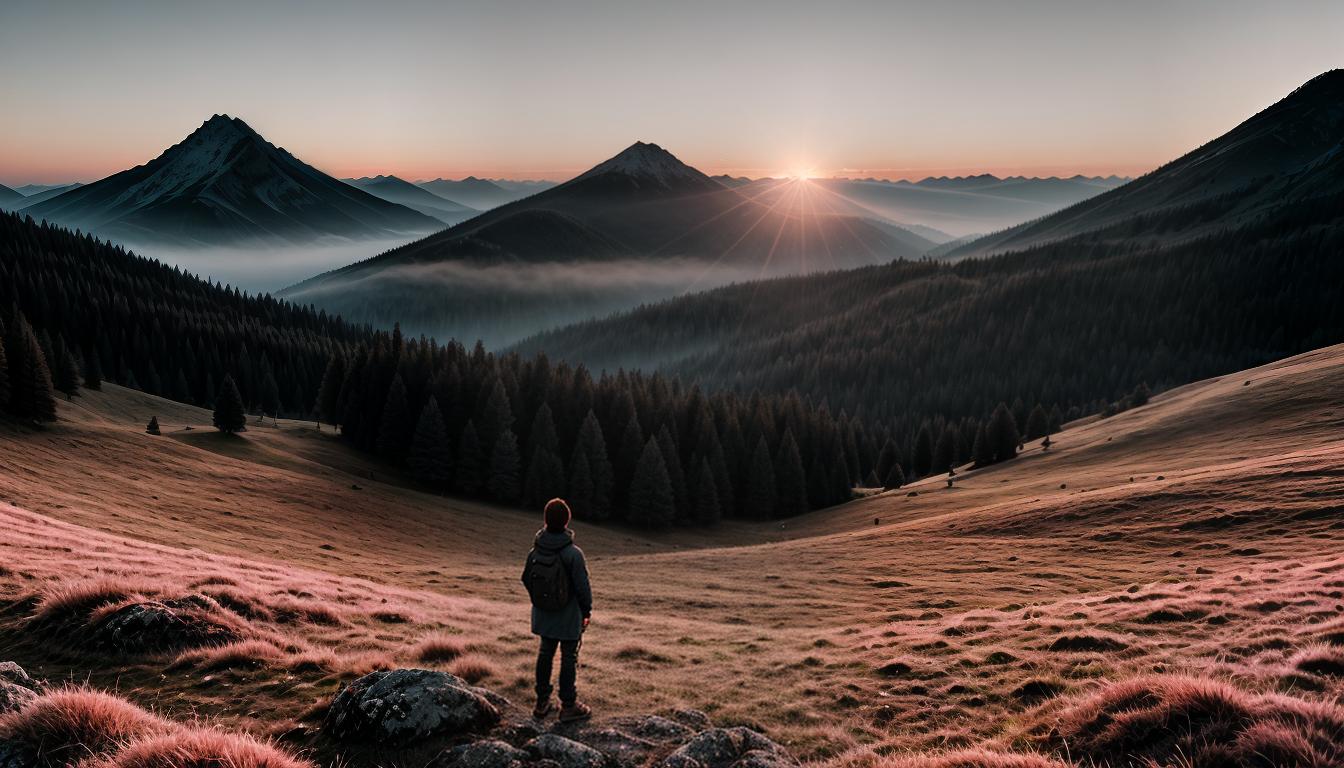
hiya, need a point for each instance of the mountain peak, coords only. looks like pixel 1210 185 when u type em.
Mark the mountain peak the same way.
pixel 650 166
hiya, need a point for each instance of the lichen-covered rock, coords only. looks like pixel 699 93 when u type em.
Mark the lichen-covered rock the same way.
pixel 566 752
pixel 729 748
pixel 16 687
pixel 490 753
pixel 656 728
pixel 621 748
pixel 692 718
pixel 157 626
pixel 400 706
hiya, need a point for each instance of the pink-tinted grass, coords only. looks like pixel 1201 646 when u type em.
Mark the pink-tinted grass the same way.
pixel 200 748
pixel 439 648
pixel 70 723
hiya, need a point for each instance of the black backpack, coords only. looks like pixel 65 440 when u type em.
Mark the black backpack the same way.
pixel 547 579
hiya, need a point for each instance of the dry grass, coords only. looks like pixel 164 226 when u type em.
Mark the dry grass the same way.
pixel 474 668
pixel 73 603
pixel 1197 537
pixel 200 748
pixel 68 724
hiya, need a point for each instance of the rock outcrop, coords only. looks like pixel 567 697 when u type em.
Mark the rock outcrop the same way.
pixel 16 687
pixel 419 709
pixel 402 706
pixel 157 626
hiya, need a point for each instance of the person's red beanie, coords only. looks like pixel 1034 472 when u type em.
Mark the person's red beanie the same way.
pixel 557 515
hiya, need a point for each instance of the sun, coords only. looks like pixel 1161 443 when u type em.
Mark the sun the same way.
pixel 802 174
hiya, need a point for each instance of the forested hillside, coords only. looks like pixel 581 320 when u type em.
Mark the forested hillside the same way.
pixel 1077 323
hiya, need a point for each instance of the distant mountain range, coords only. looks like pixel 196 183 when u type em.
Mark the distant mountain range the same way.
pixel 225 184
pixel 415 197
pixel 484 194
pixel 1221 260
pixel 9 196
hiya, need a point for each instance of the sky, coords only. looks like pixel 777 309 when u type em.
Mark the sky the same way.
pixel 546 90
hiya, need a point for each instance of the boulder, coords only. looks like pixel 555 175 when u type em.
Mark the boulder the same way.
pixel 490 753
pixel 729 748
pixel 157 626
pixel 401 706
pixel 17 689
pixel 621 748
pixel 692 718
pixel 16 754
pixel 567 753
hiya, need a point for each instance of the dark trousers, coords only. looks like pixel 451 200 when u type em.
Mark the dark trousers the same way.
pixel 569 668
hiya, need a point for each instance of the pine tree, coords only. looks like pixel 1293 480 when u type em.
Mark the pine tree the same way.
pixel 31 395
pixel 1038 423
pixel 982 453
pixel 818 484
pixel 944 451
pixel 922 459
pixel 329 394
pixel 270 392
pixel 672 461
pixel 1140 395
pixel 889 455
pixel 495 416
pixel 591 445
pixel 839 481
pixel 762 499
pixel 152 427
pixel 430 458
pixel 392 431
pixel 504 485
pixel 1056 419
pixel 790 481
pixel 580 487
pixel 93 371
pixel 229 416
pixel 628 452
pixel 65 369
pixel 545 479
pixel 706 496
pixel 1002 434
pixel 895 478
pixel 651 501
pixel 470 461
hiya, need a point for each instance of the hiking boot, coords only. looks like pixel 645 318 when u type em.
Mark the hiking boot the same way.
pixel 543 708
pixel 572 713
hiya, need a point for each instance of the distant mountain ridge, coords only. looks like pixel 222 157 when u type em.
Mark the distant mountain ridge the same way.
pixel 1292 150
pixel 415 197
pixel 225 184
pixel 483 194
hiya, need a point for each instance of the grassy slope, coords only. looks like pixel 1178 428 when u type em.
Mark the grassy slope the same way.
pixel 1216 557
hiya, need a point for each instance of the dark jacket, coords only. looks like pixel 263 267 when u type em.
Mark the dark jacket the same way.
pixel 566 623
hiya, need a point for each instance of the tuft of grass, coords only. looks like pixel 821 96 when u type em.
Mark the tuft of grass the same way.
pixel 193 747
pixel 1325 660
pixel 439 647
pixel 72 603
pixel 473 668
pixel 245 654
pixel 67 724
pixel 966 758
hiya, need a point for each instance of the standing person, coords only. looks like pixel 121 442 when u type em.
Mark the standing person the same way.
pixel 556 577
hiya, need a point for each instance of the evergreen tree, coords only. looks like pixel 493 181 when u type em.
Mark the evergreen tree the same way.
pixel 818 485
pixel 895 478
pixel 270 392
pixel 65 369
pixel 504 485
pixel 152 427
pixel 982 453
pixel 430 458
pixel 545 479
pixel 706 496
pixel 31 395
pixel 495 416
pixel 1140 395
pixel 761 498
pixel 922 457
pixel 651 501
pixel 944 451
pixel 1056 419
pixel 542 434
pixel 329 394
pixel 93 372
pixel 470 461
pixel 628 452
pixel 591 445
pixel 667 447
pixel 790 480
pixel 839 481
pixel 229 416
pixel 580 487
pixel 392 431
pixel 1038 423
pixel 889 455
pixel 1002 433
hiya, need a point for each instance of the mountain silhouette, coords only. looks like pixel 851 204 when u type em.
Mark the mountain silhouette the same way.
pixel 226 184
